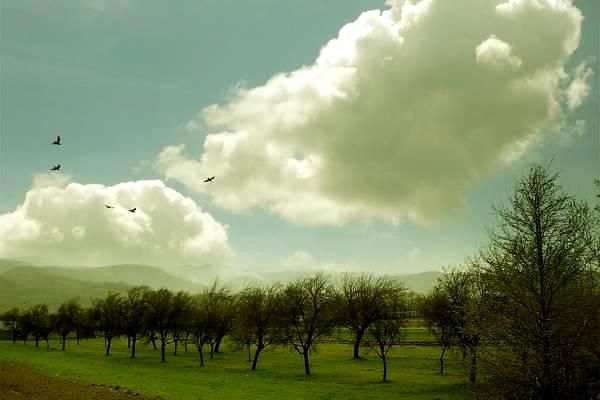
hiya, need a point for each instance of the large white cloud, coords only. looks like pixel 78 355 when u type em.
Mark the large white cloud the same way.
pixel 65 223
pixel 398 116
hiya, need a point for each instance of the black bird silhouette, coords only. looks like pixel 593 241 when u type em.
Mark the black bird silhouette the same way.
pixel 107 206
pixel 132 210
pixel 209 179
pixel 57 141
pixel 56 168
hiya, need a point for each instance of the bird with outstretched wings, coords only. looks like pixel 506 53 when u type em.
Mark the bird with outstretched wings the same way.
pixel 209 179
pixel 57 141
pixel 107 206
pixel 132 210
pixel 56 168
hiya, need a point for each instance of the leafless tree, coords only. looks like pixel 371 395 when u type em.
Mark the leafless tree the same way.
pixel 307 313
pixel 362 302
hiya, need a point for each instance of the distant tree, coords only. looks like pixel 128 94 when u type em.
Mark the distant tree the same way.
pixel 307 313
pixel 467 296
pixel 538 263
pixel 182 306
pixel 25 325
pixel 67 319
pixel 10 319
pixel 257 321
pixel 362 300
pixel 133 314
pixel 107 314
pixel 435 309
pixel 206 317
pixel 160 316
pixel 383 334
pixel 165 310
pixel 39 321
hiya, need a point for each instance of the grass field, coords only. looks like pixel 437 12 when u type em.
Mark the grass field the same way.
pixel 280 374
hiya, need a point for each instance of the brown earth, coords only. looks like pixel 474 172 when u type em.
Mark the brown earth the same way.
pixel 19 383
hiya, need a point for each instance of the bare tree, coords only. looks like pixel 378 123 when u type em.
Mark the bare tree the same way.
pixel 107 315
pixel 39 323
pixel 67 319
pixel 258 310
pixel 133 314
pixel 307 313
pixel 435 309
pixel 538 265
pixel 384 333
pixel 10 319
pixel 362 302
pixel 161 317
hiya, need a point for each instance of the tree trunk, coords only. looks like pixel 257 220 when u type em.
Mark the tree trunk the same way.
pixel 185 343
pixel 128 342
pixel 77 335
pixel 64 340
pixel 357 340
pixel 175 347
pixel 306 363
pixel 473 365
pixel 108 343
pixel 163 346
pixel 384 368
pixel 37 341
pixel 249 356
pixel 442 360
pixel 47 342
pixel 201 356
pixel 212 350
pixel 256 354
pixel 134 339
pixel 218 343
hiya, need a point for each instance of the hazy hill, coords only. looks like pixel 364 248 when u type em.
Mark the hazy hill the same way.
pixel 133 275
pixel 26 286
pixel 420 282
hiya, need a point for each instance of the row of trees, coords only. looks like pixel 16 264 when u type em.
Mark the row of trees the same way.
pixel 526 308
pixel 523 313
pixel 298 314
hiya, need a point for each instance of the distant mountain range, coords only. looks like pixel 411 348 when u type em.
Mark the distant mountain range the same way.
pixel 23 284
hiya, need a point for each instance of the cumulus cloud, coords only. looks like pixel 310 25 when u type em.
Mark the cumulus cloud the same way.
pixel 580 87
pixel 62 223
pixel 398 116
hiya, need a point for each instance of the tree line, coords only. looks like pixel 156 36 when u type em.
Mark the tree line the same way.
pixel 523 314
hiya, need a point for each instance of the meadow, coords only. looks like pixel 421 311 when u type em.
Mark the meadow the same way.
pixel 412 371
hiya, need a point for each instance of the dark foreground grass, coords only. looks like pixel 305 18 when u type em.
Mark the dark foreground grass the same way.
pixel 280 374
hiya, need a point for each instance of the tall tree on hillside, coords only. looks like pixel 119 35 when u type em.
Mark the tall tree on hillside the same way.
pixel 384 333
pixel 107 315
pixel 10 319
pixel 362 302
pixel 133 315
pixel 67 319
pixel 435 309
pixel 307 313
pixel 538 263
pixel 258 310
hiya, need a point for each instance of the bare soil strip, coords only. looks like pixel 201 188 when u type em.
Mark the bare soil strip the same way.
pixel 19 383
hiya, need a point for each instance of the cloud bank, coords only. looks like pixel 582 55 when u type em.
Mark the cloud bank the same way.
pixel 62 223
pixel 398 116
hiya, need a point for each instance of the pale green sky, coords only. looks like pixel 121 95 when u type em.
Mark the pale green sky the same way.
pixel 385 156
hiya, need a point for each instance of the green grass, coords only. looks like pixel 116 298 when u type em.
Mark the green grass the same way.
pixel 280 374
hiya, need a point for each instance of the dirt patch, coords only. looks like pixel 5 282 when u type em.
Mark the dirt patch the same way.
pixel 19 383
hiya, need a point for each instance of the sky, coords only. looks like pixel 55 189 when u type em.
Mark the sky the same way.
pixel 355 135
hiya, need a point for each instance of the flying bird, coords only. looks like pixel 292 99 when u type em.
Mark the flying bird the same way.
pixel 209 179
pixel 107 206
pixel 57 141
pixel 56 168
pixel 132 210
